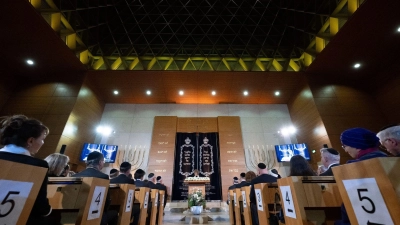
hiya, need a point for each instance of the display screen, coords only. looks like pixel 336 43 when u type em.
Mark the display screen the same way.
pixel 285 152
pixel 109 151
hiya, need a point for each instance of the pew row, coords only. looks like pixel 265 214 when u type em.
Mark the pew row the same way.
pixel 265 200
pixel 246 205
pixel 370 190
pixel 161 207
pixel 237 199
pixel 19 188
pixel 87 195
pixel 231 208
pixel 122 196
pixel 310 200
pixel 142 196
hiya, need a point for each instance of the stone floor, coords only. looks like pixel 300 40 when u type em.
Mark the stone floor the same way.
pixel 177 213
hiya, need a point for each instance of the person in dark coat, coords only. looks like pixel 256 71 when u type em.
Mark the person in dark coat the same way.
pixel 151 181
pixel 263 177
pixel 139 174
pixel 161 186
pixel 94 164
pixel 329 158
pixel 123 178
pixel 114 173
pixel 242 181
pixel 235 181
pixel 360 144
pixel 22 137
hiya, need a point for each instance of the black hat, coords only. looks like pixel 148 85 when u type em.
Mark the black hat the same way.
pixel 113 171
pixel 151 175
pixel 262 166
pixel 332 151
pixel 235 178
pixel 243 175
pixel 94 155
pixel 274 171
pixel 158 178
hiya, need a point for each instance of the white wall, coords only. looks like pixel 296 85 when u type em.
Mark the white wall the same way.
pixel 133 123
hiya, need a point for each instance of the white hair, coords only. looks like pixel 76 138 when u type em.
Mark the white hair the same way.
pixel 331 157
pixel 390 132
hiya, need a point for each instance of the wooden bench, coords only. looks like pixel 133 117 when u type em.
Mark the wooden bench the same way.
pixel 161 208
pixel 237 197
pixel 87 195
pixel 122 195
pixel 142 196
pixel 370 190
pixel 307 199
pixel 231 208
pixel 246 206
pixel 154 206
pixel 20 185
pixel 265 197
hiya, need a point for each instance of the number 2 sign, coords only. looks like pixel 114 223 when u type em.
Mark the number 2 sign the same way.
pixel 367 201
pixel 13 196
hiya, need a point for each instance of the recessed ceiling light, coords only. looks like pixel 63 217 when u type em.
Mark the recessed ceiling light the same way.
pixel 277 93
pixel 181 92
pixel 30 62
pixel 245 93
pixel 357 65
pixel 398 29
pixel 116 92
pixel 148 92
pixel 213 93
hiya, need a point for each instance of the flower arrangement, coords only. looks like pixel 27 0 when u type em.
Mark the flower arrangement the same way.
pixel 196 198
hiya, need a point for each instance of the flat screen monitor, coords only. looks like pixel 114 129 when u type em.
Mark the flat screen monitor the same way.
pixel 285 152
pixel 109 151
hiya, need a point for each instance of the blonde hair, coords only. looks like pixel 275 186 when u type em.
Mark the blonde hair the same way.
pixel 57 163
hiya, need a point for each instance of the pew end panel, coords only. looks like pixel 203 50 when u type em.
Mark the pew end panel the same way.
pixel 231 208
pixel 19 184
pixel 161 208
pixel 267 198
pixel 154 206
pixel 122 195
pixel 384 174
pixel 246 205
pixel 142 197
pixel 238 199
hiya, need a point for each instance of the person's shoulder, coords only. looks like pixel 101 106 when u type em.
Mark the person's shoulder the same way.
pixel 24 159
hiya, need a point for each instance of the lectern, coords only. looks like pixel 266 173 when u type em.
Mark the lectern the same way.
pixel 197 183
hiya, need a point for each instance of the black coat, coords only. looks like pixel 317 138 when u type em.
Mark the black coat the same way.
pixel 242 184
pixel 329 172
pixel 164 188
pixel 232 187
pixel 41 206
pixel 140 183
pixel 122 179
pixel 263 178
pixel 91 172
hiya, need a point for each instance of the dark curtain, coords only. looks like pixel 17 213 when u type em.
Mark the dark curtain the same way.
pixel 197 151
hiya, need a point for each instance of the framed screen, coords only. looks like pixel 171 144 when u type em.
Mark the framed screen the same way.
pixel 285 152
pixel 109 151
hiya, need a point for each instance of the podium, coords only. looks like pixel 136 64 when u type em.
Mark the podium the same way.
pixel 197 183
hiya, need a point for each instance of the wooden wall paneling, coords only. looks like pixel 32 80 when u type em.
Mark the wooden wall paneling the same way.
pixel 388 98
pixel 229 124
pixel 162 150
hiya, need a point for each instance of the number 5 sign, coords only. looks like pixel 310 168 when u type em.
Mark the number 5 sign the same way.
pixel 367 201
pixel 13 196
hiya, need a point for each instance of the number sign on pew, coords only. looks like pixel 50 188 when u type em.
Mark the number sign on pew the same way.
pixel 129 200
pixel 367 201
pixel 13 196
pixel 259 199
pixel 234 198
pixel 146 200
pixel 244 199
pixel 288 201
pixel 96 203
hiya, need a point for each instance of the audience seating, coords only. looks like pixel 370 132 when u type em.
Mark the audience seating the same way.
pixel 265 201
pixel 19 188
pixel 307 199
pixel 231 208
pixel 161 207
pixel 122 195
pixel 372 190
pixel 246 205
pixel 237 197
pixel 154 206
pixel 142 197
pixel 87 195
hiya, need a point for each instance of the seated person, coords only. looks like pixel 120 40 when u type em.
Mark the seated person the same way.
pixel 161 186
pixel 196 173
pixel 94 164
pixel 235 182
pixel 139 174
pixel 390 139
pixel 114 173
pixel 57 162
pixel 361 144
pixel 329 158
pixel 22 138
pixel 300 167
pixel 274 172
pixel 242 181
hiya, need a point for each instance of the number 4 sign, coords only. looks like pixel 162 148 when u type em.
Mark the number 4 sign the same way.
pixel 288 201
pixel 13 196
pixel 96 202
pixel 367 201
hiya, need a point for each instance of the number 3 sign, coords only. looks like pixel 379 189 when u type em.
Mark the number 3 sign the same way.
pixel 367 201
pixel 13 196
